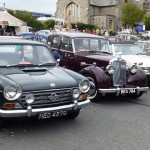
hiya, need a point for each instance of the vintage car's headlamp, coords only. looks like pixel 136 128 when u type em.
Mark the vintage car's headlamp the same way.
pixel 12 92
pixel 30 98
pixel 76 93
pixel 110 69
pixel 133 68
pixel 146 69
pixel 84 86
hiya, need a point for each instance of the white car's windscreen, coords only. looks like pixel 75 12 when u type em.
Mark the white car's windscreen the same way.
pixel 124 49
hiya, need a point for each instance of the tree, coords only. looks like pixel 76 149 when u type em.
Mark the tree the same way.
pixel 147 23
pixel 49 24
pixel 131 14
pixel 28 18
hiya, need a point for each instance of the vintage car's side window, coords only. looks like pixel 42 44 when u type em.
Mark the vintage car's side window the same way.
pixel 55 41
pixel 66 44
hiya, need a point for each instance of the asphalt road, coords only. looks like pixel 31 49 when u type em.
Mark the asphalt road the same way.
pixel 111 124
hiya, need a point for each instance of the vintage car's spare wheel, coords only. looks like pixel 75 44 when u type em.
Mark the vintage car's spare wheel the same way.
pixel 74 114
pixel 92 93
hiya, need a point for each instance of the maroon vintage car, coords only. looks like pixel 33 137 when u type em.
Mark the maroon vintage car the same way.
pixel 85 53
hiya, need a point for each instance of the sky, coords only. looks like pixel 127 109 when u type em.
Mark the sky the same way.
pixel 42 6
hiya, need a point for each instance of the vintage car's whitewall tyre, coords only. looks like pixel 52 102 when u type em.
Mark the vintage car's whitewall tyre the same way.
pixel 74 114
pixel 135 95
pixel 92 94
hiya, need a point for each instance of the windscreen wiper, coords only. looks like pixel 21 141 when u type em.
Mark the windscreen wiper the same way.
pixel 47 64
pixel 20 65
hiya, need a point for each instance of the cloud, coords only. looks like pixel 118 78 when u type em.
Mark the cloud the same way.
pixel 42 6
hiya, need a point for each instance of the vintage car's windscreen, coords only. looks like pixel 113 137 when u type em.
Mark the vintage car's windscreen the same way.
pixel 93 44
pixel 140 44
pixel 24 54
pixel 146 47
pixel 124 49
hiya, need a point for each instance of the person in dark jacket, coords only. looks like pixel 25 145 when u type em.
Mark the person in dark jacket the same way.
pixel 1 31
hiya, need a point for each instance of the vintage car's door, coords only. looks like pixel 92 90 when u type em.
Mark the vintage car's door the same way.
pixel 67 52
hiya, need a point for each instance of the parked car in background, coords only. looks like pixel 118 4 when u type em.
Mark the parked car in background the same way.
pixel 146 33
pixel 89 55
pixel 145 46
pixel 128 31
pixel 126 38
pixel 21 29
pixel 142 38
pixel 33 85
pixel 132 53
pixel 41 37
pixel 27 35
pixel 45 31
pixel 114 39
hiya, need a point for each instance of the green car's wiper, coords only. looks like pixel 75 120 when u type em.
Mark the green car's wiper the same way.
pixel 47 64
pixel 20 65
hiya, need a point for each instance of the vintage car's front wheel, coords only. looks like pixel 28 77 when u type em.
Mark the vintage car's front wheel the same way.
pixel 135 95
pixel 92 93
pixel 74 114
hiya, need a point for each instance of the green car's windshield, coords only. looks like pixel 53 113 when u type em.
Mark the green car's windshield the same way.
pixel 24 55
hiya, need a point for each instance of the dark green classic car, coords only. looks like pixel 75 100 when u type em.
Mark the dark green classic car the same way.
pixel 33 85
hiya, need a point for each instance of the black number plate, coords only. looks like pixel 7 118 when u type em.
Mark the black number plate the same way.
pixel 47 115
pixel 128 91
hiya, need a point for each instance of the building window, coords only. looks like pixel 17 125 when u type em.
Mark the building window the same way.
pixel 74 9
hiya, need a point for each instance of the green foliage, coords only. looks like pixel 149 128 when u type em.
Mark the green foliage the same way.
pixel 82 26
pixel 147 23
pixel 131 14
pixel 28 18
pixel 49 24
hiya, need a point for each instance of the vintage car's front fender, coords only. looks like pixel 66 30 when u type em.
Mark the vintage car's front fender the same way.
pixel 102 80
pixel 138 79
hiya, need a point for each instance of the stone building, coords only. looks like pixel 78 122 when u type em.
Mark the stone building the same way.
pixel 104 13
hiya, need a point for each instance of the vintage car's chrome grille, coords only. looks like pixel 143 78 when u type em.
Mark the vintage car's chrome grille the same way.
pixel 48 98
pixel 119 75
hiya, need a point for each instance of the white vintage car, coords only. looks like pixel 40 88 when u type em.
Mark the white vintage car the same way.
pixel 145 46
pixel 132 53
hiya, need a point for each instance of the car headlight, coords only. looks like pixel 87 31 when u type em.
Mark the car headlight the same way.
pixel 133 68
pixel 12 92
pixel 29 98
pixel 84 86
pixel 110 69
pixel 76 93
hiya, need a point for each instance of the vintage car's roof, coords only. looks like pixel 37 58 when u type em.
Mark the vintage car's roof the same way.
pixel 77 34
pixel 7 40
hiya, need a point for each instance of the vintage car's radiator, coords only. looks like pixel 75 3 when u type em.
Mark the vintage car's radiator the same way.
pixel 119 75
pixel 48 98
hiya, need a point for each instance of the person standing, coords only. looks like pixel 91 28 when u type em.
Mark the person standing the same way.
pixel 1 31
